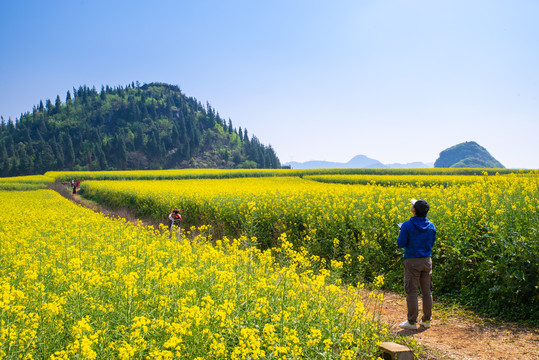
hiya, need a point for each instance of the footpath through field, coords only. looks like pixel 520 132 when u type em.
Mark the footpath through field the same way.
pixel 462 335
pixel 454 334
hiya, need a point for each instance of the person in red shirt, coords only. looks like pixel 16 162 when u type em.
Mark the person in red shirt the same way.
pixel 175 218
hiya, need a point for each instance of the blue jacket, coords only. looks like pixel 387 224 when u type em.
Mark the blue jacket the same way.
pixel 417 237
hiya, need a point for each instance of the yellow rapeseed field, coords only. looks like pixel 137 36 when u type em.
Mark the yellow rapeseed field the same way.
pixel 77 285
pixel 487 240
pixel 30 182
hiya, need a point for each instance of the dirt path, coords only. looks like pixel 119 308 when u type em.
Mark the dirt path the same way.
pixel 454 334
pixel 125 213
pixel 461 335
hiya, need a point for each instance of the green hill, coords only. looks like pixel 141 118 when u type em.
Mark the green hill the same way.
pixel 467 155
pixel 154 126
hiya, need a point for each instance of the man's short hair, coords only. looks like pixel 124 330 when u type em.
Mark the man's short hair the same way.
pixel 421 207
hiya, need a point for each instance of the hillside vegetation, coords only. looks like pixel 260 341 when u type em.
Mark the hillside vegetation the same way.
pixel 154 126
pixel 467 155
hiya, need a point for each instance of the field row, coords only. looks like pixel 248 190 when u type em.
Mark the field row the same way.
pixel 180 174
pixel 386 177
pixel 487 253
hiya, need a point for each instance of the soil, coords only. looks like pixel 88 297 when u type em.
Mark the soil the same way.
pixel 125 213
pixel 454 334
pixel 462 335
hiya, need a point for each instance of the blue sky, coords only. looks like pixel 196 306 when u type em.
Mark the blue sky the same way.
pixel 397 81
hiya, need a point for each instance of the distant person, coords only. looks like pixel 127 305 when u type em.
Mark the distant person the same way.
pixel 175 218
pixel 417 237
pixel 74 187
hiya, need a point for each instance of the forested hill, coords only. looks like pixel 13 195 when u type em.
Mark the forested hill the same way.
pixel 468 154
pixel 154 126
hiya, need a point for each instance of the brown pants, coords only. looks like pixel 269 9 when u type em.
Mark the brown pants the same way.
pixel 418 272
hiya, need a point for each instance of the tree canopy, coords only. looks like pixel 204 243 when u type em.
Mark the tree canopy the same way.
pixel 468 154
pixel 153 126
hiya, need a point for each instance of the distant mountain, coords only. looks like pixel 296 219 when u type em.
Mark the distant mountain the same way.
pixel 153 126
pixel 467 155
pixel 361 161
pixel 357 162
pixel 412 165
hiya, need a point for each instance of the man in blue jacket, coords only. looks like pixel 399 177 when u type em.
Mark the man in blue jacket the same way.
pixel 417 237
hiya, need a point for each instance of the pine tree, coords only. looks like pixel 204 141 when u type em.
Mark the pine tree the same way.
pixel 187 151
pixel 10 144
pixel 122 152
pixel 48 105
pixel 3 151
pixel 175 136
pixel 69 159
pixel 29 143
pixel 102 158
pixel 139 139
pixel 5 167
pixel 58 104
pixel 45 160
pixel 89 161
pixel 25 162
pixel 153 144
pixel 58 154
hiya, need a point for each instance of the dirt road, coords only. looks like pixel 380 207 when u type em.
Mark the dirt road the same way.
pixel 462 335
